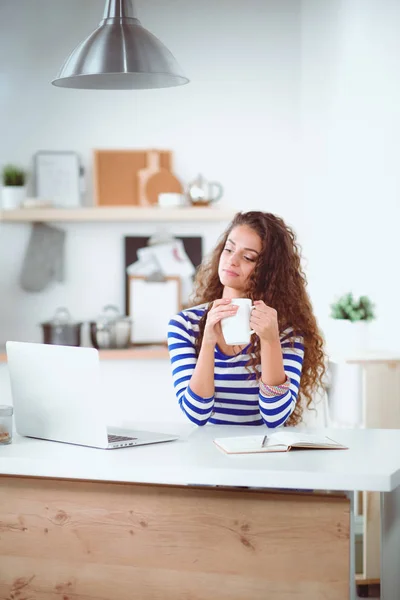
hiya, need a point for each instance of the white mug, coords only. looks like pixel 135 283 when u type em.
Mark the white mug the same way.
pixel 236 329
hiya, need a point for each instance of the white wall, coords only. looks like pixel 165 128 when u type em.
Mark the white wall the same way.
pixel 350 56
pixel 236 122
pixel 292 105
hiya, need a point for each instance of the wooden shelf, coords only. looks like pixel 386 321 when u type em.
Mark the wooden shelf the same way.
pixel 378 357
pixel 361 580
pixel 107 214
pixel 135 353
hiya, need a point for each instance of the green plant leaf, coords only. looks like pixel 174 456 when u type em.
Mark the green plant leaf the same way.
pixel 347 307
pixel 13 176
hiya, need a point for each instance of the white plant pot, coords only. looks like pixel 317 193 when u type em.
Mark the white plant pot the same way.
pixel 12 196
pixel 345 338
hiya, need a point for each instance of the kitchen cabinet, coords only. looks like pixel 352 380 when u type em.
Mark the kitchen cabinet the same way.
pixel 379 381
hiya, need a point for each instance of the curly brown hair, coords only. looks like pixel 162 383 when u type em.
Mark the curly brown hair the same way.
pixel 278 280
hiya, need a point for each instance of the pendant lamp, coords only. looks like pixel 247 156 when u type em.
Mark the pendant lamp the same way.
pixel 120 55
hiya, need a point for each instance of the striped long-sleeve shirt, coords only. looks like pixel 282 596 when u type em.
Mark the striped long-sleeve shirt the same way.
pixel 237 398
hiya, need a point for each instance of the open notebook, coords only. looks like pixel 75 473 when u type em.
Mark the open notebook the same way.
pixel 277 442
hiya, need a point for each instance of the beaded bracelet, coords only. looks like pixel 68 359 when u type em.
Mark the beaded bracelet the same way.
pixel 269 391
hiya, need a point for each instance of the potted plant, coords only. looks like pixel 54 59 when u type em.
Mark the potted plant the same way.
pixel 351 318
pixel 347 307
pixel 14 190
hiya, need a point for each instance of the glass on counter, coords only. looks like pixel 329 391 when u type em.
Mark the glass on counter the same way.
pixel 6 419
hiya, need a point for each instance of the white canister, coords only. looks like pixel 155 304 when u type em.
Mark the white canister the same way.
pixel 6 424
pixel 170 200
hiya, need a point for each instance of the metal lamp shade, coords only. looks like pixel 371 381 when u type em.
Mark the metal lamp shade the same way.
pixel 120 55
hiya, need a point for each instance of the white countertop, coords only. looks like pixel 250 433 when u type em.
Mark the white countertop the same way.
pixel 371 463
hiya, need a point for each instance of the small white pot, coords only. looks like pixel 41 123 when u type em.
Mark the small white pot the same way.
pixel 345 338
pixel 12 196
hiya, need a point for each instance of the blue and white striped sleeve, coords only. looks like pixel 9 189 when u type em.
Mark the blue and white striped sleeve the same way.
pixel 181 339
pixel 275 410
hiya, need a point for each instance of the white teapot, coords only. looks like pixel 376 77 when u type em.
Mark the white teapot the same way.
pixel 202 192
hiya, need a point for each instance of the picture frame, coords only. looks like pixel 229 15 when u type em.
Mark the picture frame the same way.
pixel 57 177
pixel 150 326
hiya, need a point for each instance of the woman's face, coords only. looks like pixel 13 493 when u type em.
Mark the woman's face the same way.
pixel 239 258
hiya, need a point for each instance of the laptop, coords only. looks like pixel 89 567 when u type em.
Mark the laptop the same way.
pixel 57 395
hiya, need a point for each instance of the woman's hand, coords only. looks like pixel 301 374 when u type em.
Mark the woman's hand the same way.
pixel 264 321
pixel 220 309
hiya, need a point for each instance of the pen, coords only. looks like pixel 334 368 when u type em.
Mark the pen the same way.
pixel 265 439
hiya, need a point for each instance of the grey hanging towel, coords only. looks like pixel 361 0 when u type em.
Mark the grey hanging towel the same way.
pixel 44 258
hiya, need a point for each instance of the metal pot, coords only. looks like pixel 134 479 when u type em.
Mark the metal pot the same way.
pixel 111 330
pixel 61 330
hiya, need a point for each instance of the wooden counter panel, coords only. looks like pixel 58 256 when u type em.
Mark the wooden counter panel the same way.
pixel 84 540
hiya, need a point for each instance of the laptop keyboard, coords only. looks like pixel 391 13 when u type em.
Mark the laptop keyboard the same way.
pixel 119 438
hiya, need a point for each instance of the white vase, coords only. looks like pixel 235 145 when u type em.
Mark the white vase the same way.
pixel 345 338
pixel 12 196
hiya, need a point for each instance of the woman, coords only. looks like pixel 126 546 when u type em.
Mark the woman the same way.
pixel 260 383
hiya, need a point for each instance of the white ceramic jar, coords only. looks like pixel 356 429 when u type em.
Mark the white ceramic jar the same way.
pixel 6 422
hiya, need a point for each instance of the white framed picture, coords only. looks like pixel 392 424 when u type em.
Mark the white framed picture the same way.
pixel 57 178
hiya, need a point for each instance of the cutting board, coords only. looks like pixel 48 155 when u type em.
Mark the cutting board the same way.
pixel 116 174
pixel 155 179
